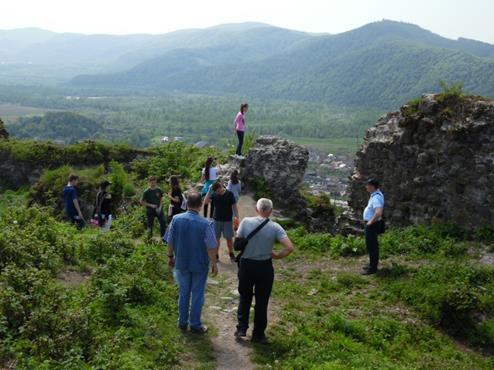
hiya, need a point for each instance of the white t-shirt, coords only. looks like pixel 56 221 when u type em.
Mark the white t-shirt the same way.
pixel 213 173
pixel 234 188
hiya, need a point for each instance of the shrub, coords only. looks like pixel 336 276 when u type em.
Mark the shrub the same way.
pixel 319 242
pixel 450 294
pixel 175 159
pixel 31 238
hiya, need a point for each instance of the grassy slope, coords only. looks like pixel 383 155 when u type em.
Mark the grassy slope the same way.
pixel 332 318
pixel 430 291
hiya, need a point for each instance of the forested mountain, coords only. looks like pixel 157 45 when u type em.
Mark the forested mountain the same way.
pixel 381 64
pixel 38 56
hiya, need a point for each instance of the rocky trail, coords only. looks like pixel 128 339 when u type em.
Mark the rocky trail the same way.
pixel 221 307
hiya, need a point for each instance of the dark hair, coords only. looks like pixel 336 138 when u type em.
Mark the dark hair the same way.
pixel 104 184
pixel 174 183
pixel 234 177
pixel 243 106
pixel 373 182
pixel 194 200
pixel 209 162
pixel 152 178
pixel 73 177
pixel 216 186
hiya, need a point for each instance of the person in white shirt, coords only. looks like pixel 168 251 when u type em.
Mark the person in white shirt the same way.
pixel 234 185
pixel 373 225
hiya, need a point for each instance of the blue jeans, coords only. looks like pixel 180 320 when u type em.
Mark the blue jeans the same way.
pixel 190 284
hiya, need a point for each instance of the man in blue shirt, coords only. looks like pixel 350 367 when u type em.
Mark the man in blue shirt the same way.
pixel 373 225
pixel 191 249
pixel 71 202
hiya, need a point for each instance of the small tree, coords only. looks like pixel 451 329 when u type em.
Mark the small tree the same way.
pixel 3 131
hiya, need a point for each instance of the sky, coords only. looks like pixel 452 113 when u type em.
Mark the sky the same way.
pixel 450 18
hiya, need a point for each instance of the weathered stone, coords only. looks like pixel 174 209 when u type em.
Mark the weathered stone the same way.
pixel 441 167
pixel 279 165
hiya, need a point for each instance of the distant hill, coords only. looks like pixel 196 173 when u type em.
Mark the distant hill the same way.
pixel 47 57
pixel 381 64
pixel 66 127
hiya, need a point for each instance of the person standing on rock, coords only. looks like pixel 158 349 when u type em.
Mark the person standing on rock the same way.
pixel 152 199
pixel 191 250
pixel 71 202
pixel 209 177
pixel 373 225
pixel 240 127
pixel 256 273
pixel 225 208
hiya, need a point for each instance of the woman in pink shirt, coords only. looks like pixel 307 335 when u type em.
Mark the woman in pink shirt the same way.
pixel 240 127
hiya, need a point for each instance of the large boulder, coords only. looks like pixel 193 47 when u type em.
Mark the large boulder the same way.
pixel 435 159
pixel 275 168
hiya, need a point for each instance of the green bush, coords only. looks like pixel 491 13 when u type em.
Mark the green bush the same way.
pixel 124 316
pixel 52 155
pixel 449 294
pixel 319 242
pixel 175 159
pixel 30 238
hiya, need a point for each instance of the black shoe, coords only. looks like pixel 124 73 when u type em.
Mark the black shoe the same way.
pixel 261 339
pixel 239 333
pixel 369 272
pixel 201 330
pixel 232 258
pixel 183 327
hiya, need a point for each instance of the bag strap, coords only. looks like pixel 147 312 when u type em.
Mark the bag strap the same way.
pixel 257 229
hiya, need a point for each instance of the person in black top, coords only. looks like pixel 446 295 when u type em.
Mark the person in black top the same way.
pixel 152 199
pixel 103 206
pixel 176 197
pixel 225 207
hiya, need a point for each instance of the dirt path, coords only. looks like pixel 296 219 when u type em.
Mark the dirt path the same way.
pixel 221 307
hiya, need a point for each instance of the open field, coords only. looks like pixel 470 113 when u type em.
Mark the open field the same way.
pixel 9 112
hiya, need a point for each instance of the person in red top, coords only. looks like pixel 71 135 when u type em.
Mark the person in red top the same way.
pixel 240 127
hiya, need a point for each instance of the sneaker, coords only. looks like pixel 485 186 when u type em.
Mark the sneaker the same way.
pixel 232 258
pixel 200 330
pixel 261 339
pixel 369 272
pixel 183 327
pixel 239 333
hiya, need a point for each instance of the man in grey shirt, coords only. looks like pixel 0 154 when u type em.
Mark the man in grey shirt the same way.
pixel 256 272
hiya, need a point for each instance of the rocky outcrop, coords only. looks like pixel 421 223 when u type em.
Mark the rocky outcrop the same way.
pixel 275 168
pixel 435 159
